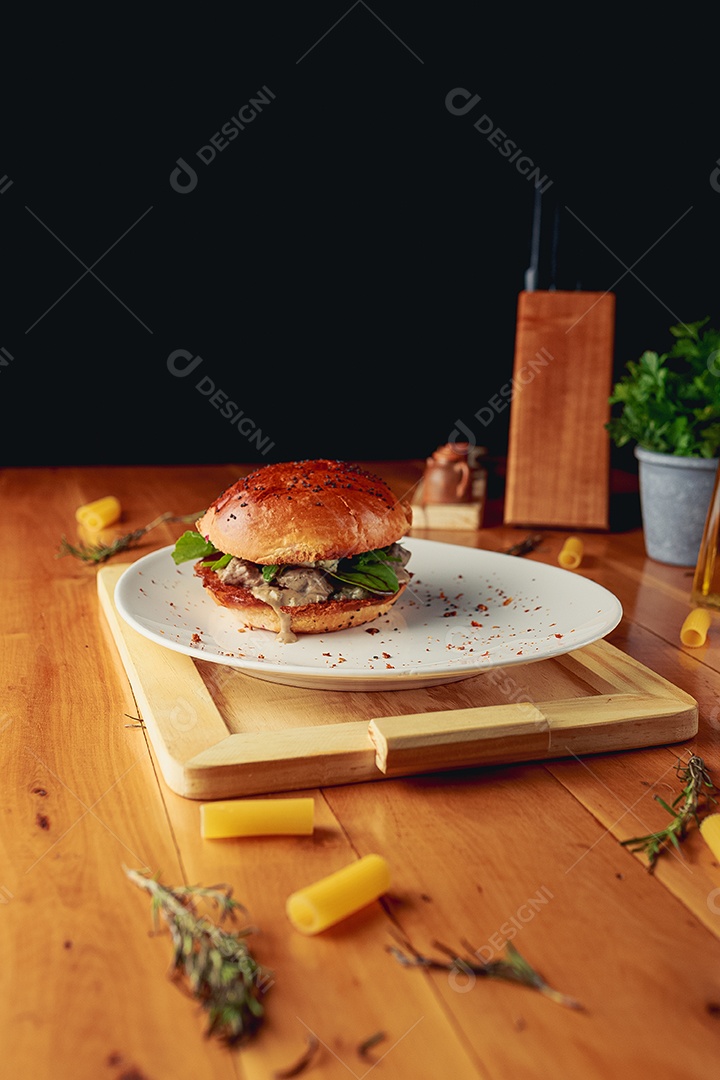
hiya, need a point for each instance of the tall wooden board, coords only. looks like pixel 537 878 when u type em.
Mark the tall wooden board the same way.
pixel 558 469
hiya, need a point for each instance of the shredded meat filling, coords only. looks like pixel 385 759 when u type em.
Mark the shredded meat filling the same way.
pixel 294 586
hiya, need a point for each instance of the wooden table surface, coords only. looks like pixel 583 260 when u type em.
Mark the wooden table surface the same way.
pixel 525 852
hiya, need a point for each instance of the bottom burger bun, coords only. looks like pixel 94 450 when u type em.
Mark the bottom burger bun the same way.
pixel 288 621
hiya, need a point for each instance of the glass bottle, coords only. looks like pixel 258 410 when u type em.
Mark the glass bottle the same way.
pixel 706 580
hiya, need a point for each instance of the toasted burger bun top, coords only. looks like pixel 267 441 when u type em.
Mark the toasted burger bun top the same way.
pixel 305 511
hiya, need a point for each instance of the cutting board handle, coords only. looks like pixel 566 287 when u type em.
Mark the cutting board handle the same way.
pixel 457 738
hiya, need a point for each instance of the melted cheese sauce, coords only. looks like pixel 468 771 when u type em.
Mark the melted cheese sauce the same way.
pixel 271 597
pixel 306 583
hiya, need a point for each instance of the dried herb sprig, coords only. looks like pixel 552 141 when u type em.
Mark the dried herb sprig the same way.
pixel 367 1045
pixel 512 968
pixel 525 546
pixel 213 964
pixel 684 810
pixel 303 1062
pixel 97 553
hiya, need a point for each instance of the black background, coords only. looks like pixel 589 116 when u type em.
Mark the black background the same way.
pixel 348 267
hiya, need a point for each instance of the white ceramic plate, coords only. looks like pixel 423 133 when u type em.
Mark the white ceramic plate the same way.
pixel 465 611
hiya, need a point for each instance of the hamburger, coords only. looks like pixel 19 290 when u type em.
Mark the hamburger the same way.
pixel 303 547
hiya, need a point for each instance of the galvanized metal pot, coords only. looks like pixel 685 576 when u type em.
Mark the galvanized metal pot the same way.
pixel 675 494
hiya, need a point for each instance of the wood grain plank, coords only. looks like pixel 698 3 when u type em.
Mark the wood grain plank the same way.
pixel 84 986
pixel 619 790
pixel 177 708
pixel 620 793
pixel 558 466
pixel 526 851
pixel 340 985
pixel 498 854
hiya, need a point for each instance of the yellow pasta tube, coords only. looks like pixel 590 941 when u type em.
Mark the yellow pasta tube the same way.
pixel 326 902
pixel 571 553
pixel 257 817
pixel 710 830
pixel 693 631
pixel 99 514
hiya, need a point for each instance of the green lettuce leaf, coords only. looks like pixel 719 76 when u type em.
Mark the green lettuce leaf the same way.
pixel 217 564
pixel 191 545
pixel 370 570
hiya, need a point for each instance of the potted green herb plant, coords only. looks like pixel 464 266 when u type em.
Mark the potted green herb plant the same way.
pixel 668 404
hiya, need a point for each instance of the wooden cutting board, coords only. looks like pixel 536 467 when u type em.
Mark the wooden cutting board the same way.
pixel 218 733
pixel 558 465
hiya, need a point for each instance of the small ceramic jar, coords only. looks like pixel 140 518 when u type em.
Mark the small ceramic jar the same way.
pixel 447 477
